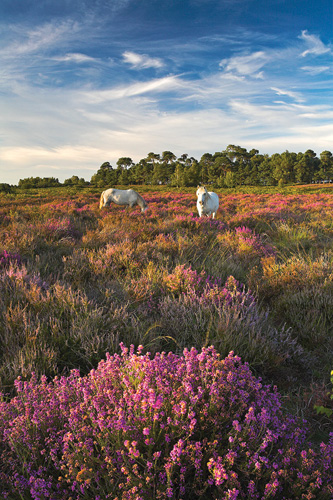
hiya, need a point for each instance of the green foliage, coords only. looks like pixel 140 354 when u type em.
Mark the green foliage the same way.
pixel 75 181
pixel 323 410
pixel 5 188
pixel 106 176
pixel 38 182
pixel 232 167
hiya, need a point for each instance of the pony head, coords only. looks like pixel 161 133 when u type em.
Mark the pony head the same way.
pixel 141 202
pixel 144 207
pixel 201 194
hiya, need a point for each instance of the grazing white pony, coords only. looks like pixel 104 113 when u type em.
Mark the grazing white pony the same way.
pixel 122 197
pixel 207 202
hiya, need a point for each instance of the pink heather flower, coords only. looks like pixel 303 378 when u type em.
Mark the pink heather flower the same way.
pixel 236 425
pixel 232 494
pixel 169 492
pixel 97 423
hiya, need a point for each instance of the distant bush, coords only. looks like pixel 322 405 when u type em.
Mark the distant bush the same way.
pixel 38 182
pixel 5 188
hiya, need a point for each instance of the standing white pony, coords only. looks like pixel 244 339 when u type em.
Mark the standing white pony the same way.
pixel 207 202
pixel 122 197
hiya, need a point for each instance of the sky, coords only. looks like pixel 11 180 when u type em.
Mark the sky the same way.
pixel 83 82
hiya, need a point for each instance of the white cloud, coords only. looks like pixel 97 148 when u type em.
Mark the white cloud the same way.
pixel 141 61
pixel 76 58
pixel 37 40
pixel 314 43
pixel 156 85
pixel 293 95
pixel 247 65
pixel 315 70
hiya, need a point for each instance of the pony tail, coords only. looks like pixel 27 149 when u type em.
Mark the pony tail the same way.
pixel 101 200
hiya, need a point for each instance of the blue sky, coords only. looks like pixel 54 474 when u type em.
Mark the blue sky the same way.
pixel 88 81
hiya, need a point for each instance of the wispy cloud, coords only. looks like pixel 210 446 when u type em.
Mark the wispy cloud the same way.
pixel 141 61
pixel 38 40
pixel 314 43
pixel 315 70
pixel 289 93
pixel 137 89
pixel 76 58
pixel 248 65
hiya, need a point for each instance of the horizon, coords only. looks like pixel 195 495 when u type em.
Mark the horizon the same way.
pixel 93 81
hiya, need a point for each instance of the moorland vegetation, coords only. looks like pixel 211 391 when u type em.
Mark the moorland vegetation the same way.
pixel 164 414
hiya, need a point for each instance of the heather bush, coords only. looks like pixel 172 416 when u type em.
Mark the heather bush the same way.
pixel 295 273
pixel 309 312
pixel 6 258
pixel 168 426
pixel 246 245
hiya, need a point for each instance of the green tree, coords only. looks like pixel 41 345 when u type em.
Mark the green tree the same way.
pixel 5 188
pixel 283 167
pixel 141 172
pixel 124 165
pixel 230 180
pixel 178 178
pixel 75 181
pixel 168 157
pixel 38 182
pixel 265 176
pixel 160 174
pixel 124 177
pixel 106 176
pixel 153 158
pixel 124 162
pixel 307 167
pixel 193 174
pixel 325 171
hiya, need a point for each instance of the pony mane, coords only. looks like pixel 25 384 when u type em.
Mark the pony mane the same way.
pixel 101 200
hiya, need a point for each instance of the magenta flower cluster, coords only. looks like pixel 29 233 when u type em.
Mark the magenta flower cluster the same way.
pixel 61 228
pixel 7 258
pixel 185 280
pixel 249 237
pixel 167 427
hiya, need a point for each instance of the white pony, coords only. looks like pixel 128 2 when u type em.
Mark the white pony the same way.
pixel 207 202
pixel 122 197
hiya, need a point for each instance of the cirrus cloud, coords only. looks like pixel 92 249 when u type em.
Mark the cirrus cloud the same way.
pixel 141 61
pixel 314 43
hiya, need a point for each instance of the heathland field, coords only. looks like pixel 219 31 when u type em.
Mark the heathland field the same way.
pixel 219 336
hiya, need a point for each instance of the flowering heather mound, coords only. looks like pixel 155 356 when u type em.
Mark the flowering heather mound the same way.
pixel 181 427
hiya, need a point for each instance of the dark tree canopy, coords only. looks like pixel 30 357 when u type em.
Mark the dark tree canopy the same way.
pixel 232 167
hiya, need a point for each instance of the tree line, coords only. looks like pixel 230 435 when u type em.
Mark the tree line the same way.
pixel 235 166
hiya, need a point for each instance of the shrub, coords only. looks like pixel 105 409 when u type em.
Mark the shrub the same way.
pixel 7 258
pixel 137 427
